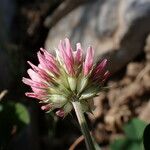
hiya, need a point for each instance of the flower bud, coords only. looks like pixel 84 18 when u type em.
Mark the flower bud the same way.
pixel 67 108
pixel 57 100
pixel 89 93
pixel 72 83
pixel 60 113
pixel 82 83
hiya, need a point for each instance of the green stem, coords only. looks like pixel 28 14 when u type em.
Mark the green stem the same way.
pixel 83 124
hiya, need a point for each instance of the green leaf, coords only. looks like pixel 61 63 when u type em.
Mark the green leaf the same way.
pixel 135 146
pixel 126 144
pixel 134 129
pixel 118 144
pixel 12 116
pixel 22 113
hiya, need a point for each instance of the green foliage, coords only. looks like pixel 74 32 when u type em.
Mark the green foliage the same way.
pixel 133 136
pixel 134 129
pixel 13 118
pixel 22 113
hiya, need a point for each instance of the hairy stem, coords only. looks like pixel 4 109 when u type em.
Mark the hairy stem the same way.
pixel 83 124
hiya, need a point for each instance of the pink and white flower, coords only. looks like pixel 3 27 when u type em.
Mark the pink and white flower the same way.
pixel 57 81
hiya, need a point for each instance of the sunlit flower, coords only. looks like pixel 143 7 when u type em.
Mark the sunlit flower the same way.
pixel 70 76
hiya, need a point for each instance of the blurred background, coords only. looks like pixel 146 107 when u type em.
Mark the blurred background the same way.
pixel 118 30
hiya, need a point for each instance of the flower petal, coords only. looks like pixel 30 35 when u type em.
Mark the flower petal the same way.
pixel 69 50
pixel 46 107
pixel 36 86
pixel 78 53
pixel 47 65
pixel 106 75
pixel 100 69
pixel 40 71
pixel 60 113
pixel 67 56
pixel 87 66
pixel 48 56
pixel 34 76
pixel 32 95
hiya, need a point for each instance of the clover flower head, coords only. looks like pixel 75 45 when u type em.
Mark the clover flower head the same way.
pixel 59 80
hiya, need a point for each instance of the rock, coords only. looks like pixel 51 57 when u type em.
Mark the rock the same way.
pixel 133 69
pixel 147 48
pixel 116 29
pixel 144 115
